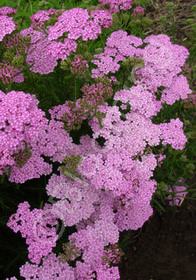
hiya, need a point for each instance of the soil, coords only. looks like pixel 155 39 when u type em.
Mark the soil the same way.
pixel 165 247
pixel 181 10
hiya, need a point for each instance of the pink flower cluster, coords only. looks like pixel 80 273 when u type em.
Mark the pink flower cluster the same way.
pixel 9 74
pixel 137 12
pixel 26 135
pixel 172 134
pixel 7 10
pixel 110 187
pixel 178 197
pixel 39 18
pixel 7 26
pixel 87 208
pixel 21 122
pixel 116 5
pixel 73 113
pixel 37 56
pixel 162 60
pixel 59 50
pixel 76 22
pixel 79 65
pixel 102 17
pixel 51 269
pixel 45 50
pixel 38 227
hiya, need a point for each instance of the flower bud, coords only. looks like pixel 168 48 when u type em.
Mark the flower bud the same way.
pixel 190 21
pixel 193 9
pixel 22 156
pixel 162 186
pixel 26 40
pixel 88 56
pixel 99 50
pixel 43 4
pixel 18 61
pixel 170 5
pixel 190 167
pixel 64 65
pixel 147 21
pixel 8 55
pixel 163 19
pixel 115 19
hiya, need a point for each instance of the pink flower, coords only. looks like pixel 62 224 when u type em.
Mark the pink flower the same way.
pixel 79 65
pixel 176 199
pixel 172 133
pixel 59 50
pixel 33 226
pixel 39 18
pixel 8 74
pixel 117 5
pixel 50 269
pixel 7 10
pixel 103 17
pixel 137 12
pixel 7 26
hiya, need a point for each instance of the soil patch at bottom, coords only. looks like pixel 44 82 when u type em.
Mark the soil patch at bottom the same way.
pixel 165 247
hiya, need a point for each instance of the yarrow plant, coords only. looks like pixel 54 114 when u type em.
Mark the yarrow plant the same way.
pixel 104 183
pixel 116 5
pixel 137 12
pixel 7 26
pixel 178 193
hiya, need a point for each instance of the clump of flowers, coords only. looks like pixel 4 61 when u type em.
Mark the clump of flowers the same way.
pixel 162 64
pixel 79 65
pixel 50 269
pixel 103 17
pixel 104 184
pixel 19 129
pixel 116 5
pixel 39 18
pixel 113 254
pixel 7 26
pixel 74 113
pixel 78 23
pixel 178 193
pixel 7 73
pixel 26 135
pixel 37 56
pixel 7 10
pixel 138 12
pixel 59 40
pixel 33 225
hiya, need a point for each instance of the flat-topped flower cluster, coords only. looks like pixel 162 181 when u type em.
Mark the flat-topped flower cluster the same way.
pixel 101 189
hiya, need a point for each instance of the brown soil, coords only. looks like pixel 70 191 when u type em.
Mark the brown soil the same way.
pixel 165 247
pixel 182 12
